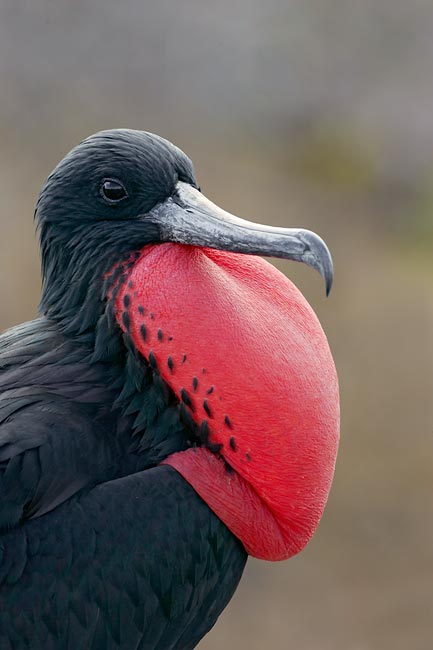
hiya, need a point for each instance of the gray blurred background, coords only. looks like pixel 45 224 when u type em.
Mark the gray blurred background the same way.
pixel 295 112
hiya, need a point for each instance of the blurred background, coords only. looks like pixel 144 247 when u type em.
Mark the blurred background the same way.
pixel 295 112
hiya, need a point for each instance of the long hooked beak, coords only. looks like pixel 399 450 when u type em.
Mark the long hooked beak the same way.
pixel 188 217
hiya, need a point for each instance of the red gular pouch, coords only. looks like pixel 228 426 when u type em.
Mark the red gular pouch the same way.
pixel 242 349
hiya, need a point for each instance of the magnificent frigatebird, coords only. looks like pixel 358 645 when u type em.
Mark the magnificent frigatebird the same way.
pixel 173 407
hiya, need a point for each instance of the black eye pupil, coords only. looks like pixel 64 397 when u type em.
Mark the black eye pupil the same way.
pixel 113 190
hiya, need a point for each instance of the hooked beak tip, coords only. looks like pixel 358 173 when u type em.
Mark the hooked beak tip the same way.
pixel 318 256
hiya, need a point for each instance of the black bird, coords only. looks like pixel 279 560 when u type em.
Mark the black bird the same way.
pixel 172 407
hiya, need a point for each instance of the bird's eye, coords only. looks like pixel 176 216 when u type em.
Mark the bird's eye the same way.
pixel 113 191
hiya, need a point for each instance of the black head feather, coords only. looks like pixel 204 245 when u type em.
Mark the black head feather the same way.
pixel 84 232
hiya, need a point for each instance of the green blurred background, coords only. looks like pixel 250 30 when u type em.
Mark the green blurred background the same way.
pixel 294 112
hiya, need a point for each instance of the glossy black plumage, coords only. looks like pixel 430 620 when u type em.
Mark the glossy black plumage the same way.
pixel 99 547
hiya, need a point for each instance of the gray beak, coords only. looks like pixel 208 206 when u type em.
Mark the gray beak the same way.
pixel 188 217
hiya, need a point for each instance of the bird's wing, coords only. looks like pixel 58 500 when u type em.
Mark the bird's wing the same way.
pixel 139 562
pixel 48 452
pixel 51 444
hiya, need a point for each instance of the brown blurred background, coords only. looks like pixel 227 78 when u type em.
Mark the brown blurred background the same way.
pixel 295 112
